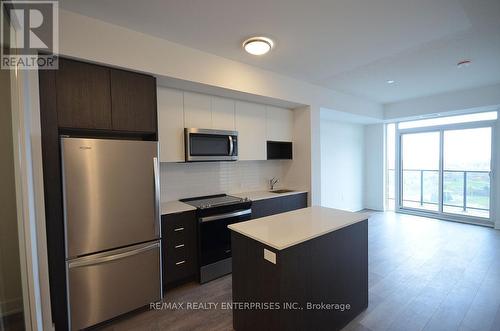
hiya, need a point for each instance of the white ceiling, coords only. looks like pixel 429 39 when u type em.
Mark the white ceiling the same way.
pixel 353 46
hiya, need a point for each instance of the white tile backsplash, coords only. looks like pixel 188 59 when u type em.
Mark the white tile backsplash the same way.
pixel 184 180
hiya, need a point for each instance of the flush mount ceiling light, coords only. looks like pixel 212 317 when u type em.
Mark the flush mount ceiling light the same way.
pixel 258 45
pixel 390 81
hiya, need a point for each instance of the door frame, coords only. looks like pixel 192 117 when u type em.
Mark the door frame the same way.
pixel 490 222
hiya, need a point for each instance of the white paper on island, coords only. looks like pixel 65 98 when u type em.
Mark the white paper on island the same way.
pixel 270 256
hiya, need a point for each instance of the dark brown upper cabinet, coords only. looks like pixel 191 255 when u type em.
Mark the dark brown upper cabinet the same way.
pixel 83 95
pixel 133 101
pixel 95 97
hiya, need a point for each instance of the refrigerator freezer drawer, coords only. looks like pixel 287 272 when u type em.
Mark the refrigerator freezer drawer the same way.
pixel 105 285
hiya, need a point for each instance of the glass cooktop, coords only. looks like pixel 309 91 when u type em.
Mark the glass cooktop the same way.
pixel 213 201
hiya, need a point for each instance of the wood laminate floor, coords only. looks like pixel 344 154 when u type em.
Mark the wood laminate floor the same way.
pixel 424 274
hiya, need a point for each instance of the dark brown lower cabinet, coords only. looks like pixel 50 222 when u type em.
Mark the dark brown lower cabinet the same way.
pixel 271 206
pixel 179 248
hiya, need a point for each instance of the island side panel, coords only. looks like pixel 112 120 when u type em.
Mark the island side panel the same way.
pixel 332 268
pixel 254 280
pixel 337 273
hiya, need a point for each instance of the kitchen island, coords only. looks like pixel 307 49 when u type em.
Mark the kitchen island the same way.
pixel 302 270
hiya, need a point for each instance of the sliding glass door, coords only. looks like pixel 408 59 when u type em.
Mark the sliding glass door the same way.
pixel 466 171
pixel 446 170
pixel 420 170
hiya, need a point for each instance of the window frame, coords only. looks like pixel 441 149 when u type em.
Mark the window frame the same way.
pixel 440 214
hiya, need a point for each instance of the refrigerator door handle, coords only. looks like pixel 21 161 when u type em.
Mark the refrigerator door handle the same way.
pixel 108 257
pixel 156 171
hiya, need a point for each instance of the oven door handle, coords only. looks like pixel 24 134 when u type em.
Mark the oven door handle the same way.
pixel 227 215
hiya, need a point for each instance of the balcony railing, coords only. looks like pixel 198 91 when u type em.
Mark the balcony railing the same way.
pixel 463 190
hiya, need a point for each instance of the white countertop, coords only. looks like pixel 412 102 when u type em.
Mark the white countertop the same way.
pixel 172 207
pixel 260 195
pixel 291 228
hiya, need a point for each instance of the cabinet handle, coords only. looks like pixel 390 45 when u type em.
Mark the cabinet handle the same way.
pixel 180 262
pixel 179 229
pixel 179 246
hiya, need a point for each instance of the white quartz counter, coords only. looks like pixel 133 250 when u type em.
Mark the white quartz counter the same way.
pixel 291 228
pixel 172 207
pixel 260 195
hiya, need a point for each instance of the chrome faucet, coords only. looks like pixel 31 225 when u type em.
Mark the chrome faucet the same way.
pixel 272 182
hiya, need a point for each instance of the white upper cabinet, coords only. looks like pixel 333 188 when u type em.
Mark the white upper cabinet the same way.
pixel 222 113
pixel 170 125
pixel 279 124
pixel 197 110
pixel 255 123
pixel 250 121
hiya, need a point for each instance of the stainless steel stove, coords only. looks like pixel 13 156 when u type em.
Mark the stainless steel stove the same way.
pixel 214 214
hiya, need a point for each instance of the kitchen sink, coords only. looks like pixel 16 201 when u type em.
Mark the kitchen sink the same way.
pixel 281 191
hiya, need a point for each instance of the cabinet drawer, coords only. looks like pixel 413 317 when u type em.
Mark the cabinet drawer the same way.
pixel 178 269
pixel 179 244
pixel 179 224
pixel 177 250
pixel 179 234
pixel 180 261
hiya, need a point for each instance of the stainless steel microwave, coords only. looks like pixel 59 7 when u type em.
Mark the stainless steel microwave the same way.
pixel 210 145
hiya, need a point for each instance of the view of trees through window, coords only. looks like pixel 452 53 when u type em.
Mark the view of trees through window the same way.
pixel 420 170
pixel 466 176
pixel 465 169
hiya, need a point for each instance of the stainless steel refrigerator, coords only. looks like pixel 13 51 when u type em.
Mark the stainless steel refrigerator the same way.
pixel 112 227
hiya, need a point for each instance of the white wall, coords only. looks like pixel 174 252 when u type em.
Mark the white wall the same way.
pixel 446 102
pixel 478 99
pixel 300 173
pixel 94 40
pixel 186 180
pixel 497 176
pixel 314 154
pixel 374 166
pixel 342 165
